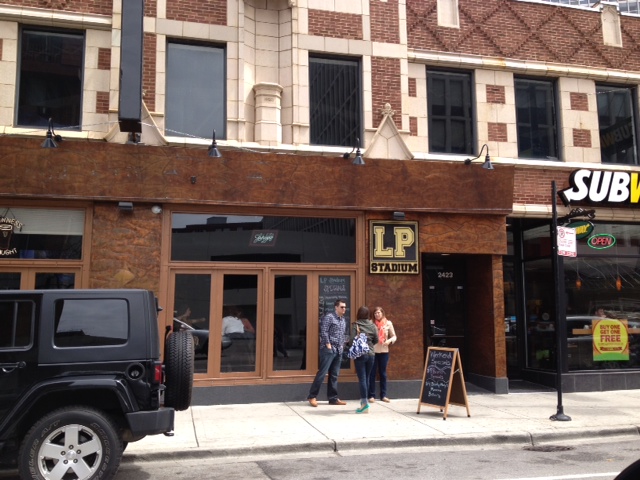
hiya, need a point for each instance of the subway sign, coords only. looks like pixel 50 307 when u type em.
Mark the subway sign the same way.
pixel 602 187
pixel 393 247
pixel 583 228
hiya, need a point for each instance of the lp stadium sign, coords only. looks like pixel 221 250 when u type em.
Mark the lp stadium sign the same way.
pixel 393 247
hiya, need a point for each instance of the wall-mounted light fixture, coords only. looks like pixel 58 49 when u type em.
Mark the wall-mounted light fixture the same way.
pixel 213 148
pixel 399 216
pixel 487 159
pixel 133 139
pixel 125 207
pixel 358 158
pixel 52 138
pixel 156 209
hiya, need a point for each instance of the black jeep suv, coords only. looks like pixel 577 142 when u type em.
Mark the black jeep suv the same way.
pixel 81 376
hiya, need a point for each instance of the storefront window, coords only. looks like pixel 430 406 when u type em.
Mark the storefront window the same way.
pixel 239 238
pixel 598 278
pixel 540 314
pixel 40 233
pixel 510 306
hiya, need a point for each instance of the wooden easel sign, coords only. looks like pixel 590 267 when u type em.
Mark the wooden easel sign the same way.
pixel 443 381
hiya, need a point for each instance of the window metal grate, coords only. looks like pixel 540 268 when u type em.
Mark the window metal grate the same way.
pixel 335 111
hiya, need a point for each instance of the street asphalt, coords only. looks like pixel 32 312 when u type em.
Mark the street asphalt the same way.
pixel 514 419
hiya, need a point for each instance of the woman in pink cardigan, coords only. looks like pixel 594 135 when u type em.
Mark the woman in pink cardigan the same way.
pixel 386 336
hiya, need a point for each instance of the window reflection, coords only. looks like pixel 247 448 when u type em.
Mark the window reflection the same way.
pixel 192 303
pixel 607 278
pixel 239 323
pixel 290 322
pixel 237 238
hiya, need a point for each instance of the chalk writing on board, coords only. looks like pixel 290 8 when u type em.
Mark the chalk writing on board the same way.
pixel 438 376
pixel 443 381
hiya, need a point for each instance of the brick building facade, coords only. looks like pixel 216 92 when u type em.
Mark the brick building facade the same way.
pixel 290 88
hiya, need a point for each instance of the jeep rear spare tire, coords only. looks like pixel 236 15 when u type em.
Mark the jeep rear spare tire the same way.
pixel 178 364
pixel 72 443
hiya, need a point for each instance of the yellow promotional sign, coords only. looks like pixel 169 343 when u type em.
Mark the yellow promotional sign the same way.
pixel 610 340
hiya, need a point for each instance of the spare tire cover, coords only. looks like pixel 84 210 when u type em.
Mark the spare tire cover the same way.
pixel 178 365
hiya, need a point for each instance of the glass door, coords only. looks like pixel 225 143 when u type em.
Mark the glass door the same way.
pixel 223 313
pixel 445 307
pixel 241 322
pixel 289 340
pixel 255 322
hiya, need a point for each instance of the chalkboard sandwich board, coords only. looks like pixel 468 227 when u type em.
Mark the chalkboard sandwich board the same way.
pixel 443 380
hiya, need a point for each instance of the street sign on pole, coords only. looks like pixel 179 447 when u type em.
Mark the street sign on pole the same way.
pixel 560 309
pixel 567 242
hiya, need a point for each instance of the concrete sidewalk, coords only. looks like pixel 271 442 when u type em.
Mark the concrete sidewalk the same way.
pixel 514 419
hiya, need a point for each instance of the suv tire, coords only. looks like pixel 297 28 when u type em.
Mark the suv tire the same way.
pixel 178 358
pixel 94 450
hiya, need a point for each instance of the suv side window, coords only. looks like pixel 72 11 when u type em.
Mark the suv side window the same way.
pixel 16 324
pixel 91 322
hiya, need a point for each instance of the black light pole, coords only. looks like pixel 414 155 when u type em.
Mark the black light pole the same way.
pixel 558 274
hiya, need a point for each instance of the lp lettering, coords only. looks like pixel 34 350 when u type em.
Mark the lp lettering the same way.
pixel 393 247
pixel 404 238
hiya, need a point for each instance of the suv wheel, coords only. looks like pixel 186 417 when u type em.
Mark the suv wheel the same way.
pixel 71 443
pixel 178 367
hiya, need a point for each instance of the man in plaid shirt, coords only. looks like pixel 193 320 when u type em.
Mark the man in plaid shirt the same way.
pixel 332 340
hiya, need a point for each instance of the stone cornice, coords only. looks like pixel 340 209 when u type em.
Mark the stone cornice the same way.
pixel 40 16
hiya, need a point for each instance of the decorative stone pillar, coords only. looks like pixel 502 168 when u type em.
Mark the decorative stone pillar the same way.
pixel 268 126
pixel 610 17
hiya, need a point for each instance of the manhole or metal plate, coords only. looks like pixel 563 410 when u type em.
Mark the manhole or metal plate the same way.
pixel 548 448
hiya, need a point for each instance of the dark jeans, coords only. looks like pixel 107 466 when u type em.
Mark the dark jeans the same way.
pixel 364 367
pixel 379 366
pixel 329 363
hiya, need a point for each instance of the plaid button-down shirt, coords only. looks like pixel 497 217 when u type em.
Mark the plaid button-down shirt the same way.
pixel 332 330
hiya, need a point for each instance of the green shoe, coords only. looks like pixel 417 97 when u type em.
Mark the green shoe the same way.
pixel 363 409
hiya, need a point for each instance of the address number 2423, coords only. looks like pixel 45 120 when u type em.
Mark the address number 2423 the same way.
pixel 445 274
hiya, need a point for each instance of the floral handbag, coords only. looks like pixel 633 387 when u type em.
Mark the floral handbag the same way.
pixel 359 346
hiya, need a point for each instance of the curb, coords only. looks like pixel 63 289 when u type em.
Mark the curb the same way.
pixel 328 446
pixel 522 439
pixel 585 434
pixel 443 441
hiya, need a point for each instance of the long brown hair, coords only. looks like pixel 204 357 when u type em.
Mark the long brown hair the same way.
pixel 363 313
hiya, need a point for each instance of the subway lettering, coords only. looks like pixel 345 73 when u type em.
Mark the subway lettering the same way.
pixel 597 186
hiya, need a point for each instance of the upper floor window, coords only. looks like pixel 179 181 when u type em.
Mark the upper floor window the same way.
pixel 450 108
pixel 617 124
pixel 536 119
pixel 196 90
pixel 50 84
pixel 335 115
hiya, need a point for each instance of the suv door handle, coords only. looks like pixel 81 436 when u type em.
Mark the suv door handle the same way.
pixel 10 367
